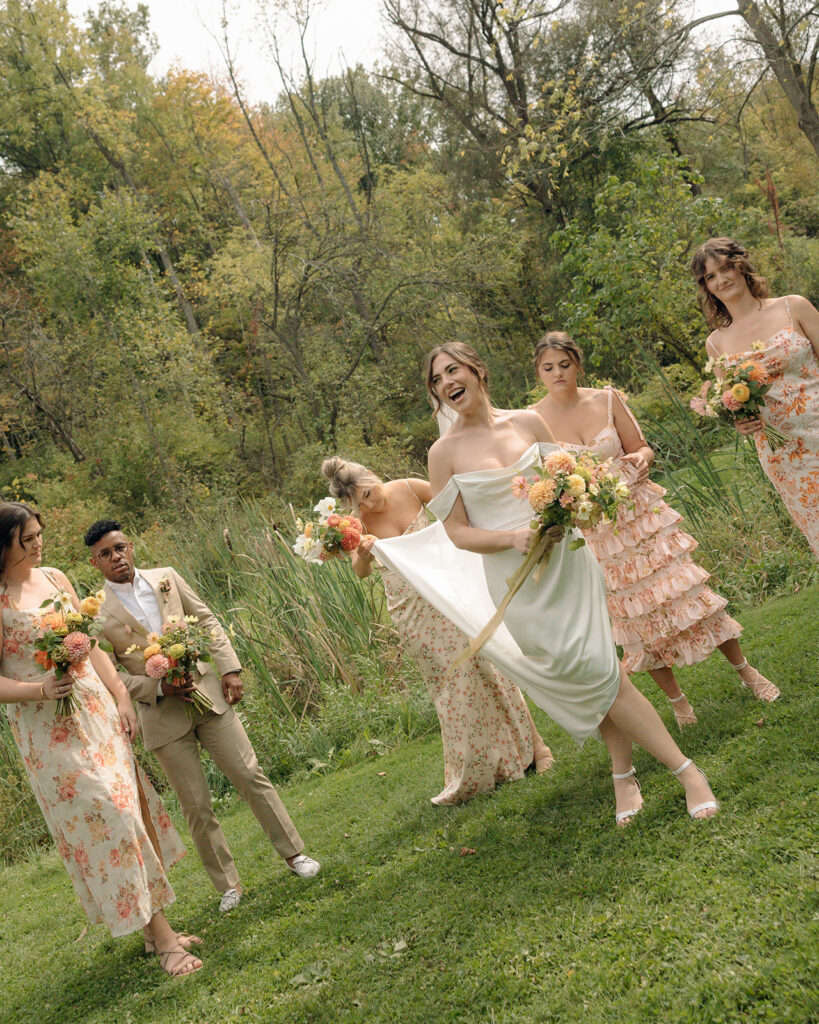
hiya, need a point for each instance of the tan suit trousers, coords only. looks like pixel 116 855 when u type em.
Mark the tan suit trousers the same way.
pixel 224 738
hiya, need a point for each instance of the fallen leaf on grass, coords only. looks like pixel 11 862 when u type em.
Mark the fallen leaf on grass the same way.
pixel 82 934
pixel 380 774
pixel 319 971
pixel 759 721
pixel 467 850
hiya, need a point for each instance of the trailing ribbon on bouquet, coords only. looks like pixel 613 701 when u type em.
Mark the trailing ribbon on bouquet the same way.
pixel 568 492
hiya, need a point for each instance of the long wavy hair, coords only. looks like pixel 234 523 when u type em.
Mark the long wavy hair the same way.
pixel 724 250
pixel 461 353
pixel 13 517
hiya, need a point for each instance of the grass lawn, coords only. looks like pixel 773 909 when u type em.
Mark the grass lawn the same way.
pixel 557 916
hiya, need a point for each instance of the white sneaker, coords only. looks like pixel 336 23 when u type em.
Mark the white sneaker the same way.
pixel 231 899
pixel 304 866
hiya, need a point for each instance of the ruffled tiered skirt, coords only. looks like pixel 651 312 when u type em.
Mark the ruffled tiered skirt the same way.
pixel 662 612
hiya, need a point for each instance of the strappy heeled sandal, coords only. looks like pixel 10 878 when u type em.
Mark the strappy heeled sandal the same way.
pixel 185 941
pixel 177 969
pixel 708 805
pixel 621 818
pixel 682 718
pixel 761 688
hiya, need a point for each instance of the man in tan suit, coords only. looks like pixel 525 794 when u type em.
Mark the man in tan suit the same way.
pixel 138 602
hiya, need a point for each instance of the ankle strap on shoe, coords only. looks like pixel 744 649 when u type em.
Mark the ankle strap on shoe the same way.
pixel 624 775
pixel 686 764
pixel 673 700
pixel 743 664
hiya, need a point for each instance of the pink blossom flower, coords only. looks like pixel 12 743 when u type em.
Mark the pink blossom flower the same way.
pixel 730 402
pixel 566 500
pixel 698 405
pixel 78 646
pixel 520 486
pixel 705 389
pixel 157 666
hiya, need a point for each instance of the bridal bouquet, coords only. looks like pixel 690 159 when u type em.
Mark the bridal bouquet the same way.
pixel 737 394
pixel 66 637
pixel 331 537
pixel 569 491
pixel 172 655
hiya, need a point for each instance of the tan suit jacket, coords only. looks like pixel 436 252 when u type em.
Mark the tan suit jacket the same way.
pixel 164 719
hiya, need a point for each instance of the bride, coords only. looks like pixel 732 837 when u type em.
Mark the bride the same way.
pixel 556 639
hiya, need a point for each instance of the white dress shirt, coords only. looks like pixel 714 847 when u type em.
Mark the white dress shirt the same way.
pixel 140 600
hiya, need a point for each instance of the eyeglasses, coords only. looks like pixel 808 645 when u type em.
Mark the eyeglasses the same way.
pixel 108 553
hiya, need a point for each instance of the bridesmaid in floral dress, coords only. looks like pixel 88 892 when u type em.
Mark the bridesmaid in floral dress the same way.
pixel 487 730
pixel 662 613
pixel 109 825
pixel 782 335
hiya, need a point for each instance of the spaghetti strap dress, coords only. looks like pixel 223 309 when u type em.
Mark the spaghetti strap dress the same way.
pixel 111 830
pixel 485 726
pixel 792 405
pixel 662 612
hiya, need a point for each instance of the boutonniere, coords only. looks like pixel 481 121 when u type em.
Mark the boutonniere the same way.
pixel 165 586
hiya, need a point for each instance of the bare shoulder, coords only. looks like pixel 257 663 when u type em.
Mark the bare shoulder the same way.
pixel 439 456
pixel 420 488
pixel 800 305
pixel 713 343
pixel 526 419
pixel 57 574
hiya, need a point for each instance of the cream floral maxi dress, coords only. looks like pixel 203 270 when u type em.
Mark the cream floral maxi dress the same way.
pixel 103 816
pixel 484 720
pixel 792 405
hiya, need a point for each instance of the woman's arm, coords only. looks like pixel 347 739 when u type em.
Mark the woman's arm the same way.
pixel 421 489
pixel 639 453
pixel 13 691
pixel 462 535
pixel 807 318
pixel 362 558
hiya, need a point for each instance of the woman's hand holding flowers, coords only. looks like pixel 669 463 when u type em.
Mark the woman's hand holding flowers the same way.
pixel 748 427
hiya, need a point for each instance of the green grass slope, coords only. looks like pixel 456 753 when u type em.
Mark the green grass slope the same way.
pixel 556 916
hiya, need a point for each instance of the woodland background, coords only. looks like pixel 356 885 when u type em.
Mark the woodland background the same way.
pixel 201 297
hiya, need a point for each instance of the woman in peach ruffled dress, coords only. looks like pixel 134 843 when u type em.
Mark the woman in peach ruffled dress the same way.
pixel 662 613
pixel 782 335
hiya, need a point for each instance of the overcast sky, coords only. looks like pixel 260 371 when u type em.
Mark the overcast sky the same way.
pixel 348 31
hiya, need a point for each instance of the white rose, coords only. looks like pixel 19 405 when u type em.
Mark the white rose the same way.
pixel 621 489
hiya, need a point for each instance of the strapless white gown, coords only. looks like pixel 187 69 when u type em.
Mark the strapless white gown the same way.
pixel 555 641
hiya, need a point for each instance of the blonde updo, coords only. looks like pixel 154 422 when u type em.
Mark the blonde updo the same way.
pixel 345 478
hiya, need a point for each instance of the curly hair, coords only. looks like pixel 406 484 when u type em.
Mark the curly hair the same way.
pixel 725 251
pixel 99 529
pixel 461 353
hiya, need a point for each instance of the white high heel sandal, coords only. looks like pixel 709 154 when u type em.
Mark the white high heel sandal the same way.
pixel 709 804
pixel 689 718
pixel 623 816
pixel 761 687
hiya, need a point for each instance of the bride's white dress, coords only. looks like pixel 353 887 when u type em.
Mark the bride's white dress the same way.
pixel 555 641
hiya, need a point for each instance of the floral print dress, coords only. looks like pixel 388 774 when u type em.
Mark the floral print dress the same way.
pixel 662 613
pixel 792 405
pixel 110 827
pixel 485 724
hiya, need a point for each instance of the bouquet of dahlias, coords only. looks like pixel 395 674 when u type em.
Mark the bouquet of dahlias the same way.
pixel 737 394
pixel 568 492
pixel 172 655
pixel 66 637
pixel 332 536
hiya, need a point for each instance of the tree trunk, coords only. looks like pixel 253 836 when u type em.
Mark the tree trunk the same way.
pixel 788 71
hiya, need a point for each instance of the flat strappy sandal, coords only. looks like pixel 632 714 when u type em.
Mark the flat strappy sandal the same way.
pixel 176 968
pixel 185 941
pixel 682 718
pixel 761 687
